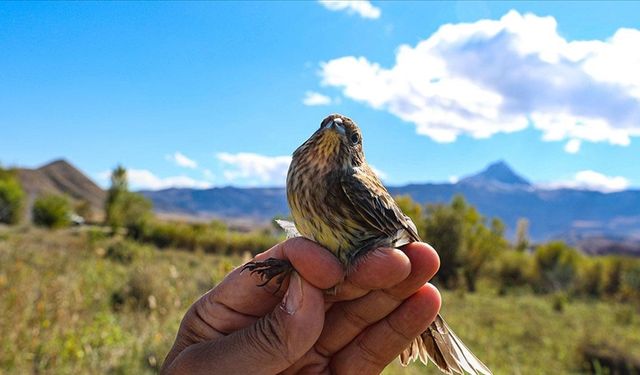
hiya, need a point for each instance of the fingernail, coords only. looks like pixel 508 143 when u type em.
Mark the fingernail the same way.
pixel 293 298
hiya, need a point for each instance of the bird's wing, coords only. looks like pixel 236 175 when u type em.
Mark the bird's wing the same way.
pixel 374 203
pixel 445 349
pixel 289 228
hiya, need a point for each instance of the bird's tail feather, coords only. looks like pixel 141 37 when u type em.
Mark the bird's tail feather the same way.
pixel 440 345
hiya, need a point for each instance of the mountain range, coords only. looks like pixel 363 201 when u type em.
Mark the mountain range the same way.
pixel 595 221
pixel 569 214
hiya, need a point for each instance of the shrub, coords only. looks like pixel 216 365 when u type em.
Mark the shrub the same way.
pixel 606 358
pixel 11 200
pixel 556 265
pixel 589 278
pixel 126 252
pixel 630 290
pixel 143 291
pixel 513 269
pixel 559 301
pixel 211 238
pixel 52 211
pixel 612 276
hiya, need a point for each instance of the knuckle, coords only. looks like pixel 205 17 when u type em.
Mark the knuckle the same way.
pixel 354 318
pixel 369 355
pixel 397 331
pixel 269 337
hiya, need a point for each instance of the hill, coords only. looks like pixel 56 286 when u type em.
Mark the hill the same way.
pixel 60 177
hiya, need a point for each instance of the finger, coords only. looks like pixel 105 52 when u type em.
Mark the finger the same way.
pixel 268 346
pixel 377 269
pixel 378 345
pixel 346 320
pixel 239 291
pixel 238 301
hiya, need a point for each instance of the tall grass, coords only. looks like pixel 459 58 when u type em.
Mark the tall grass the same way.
pixel 77 301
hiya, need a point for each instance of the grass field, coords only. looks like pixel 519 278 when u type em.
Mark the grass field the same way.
pixel 79 302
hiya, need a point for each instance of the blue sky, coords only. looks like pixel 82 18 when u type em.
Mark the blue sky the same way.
pixel 221 93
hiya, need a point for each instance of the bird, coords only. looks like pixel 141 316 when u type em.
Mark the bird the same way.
pixel 337 200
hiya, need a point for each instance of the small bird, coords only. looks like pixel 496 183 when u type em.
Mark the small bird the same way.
pixel 338 201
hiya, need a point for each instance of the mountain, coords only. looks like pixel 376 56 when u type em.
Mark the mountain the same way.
pixel 497 191
pixel 499 174
pixel 596 222
pixel 60 177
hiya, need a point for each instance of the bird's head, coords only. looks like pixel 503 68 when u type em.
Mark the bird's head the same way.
pixel 338 141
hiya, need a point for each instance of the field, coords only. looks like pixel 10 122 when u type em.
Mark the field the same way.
pixel 78 301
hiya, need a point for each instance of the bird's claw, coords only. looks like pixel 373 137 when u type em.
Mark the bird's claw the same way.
pixel 270 269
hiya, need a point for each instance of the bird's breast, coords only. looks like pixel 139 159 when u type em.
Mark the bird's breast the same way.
pixel 321 210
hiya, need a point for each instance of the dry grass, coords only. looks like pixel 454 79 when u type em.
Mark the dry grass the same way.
pixel 78 302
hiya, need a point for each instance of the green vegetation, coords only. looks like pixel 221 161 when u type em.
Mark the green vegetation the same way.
pixel 110 299
pixel 125 209
pixel 470 246
pixel 11 198
pixel 52 211
pixel 81 301
pixel 213 237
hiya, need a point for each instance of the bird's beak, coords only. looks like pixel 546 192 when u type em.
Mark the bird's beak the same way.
pixel 336 125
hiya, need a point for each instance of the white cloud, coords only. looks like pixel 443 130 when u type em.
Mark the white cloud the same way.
pixel 363 8
pixel 181 160
pixel 573 146
pixel 143 179
pixel 591 180
pixel 269 170
pixel 312 98
pixel 498 76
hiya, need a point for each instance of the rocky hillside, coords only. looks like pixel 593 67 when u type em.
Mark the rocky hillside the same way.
pixel 60 177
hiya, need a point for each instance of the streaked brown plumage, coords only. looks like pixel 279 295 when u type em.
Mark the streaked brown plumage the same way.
pixel 338 201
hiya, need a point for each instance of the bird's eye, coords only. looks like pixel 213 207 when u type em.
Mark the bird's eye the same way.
pixel 355 138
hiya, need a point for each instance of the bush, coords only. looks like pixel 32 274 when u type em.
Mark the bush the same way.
pixel 11 200
pixel 52 211
pixel 126 252
pixel 559 301
pixel 630 290
pixel 211 238
pixel 612 276
pixel 513 269
pixel 606 358
pixel 589 278
pixel 144 291
pixel 555 266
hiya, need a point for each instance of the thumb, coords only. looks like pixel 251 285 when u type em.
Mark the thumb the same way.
pixel 270 345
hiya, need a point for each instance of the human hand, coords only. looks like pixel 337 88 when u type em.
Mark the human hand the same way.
pixel 239 327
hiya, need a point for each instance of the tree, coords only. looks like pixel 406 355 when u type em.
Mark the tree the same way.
pixel 136 213
pixel 119 187
pixel 444 229
pixel 522 234
pixel 412 209
pixel 11 198
pixel 124 208
pixel 52 211
pixel 463 240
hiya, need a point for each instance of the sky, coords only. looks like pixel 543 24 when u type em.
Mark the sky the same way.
pixel 204 94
